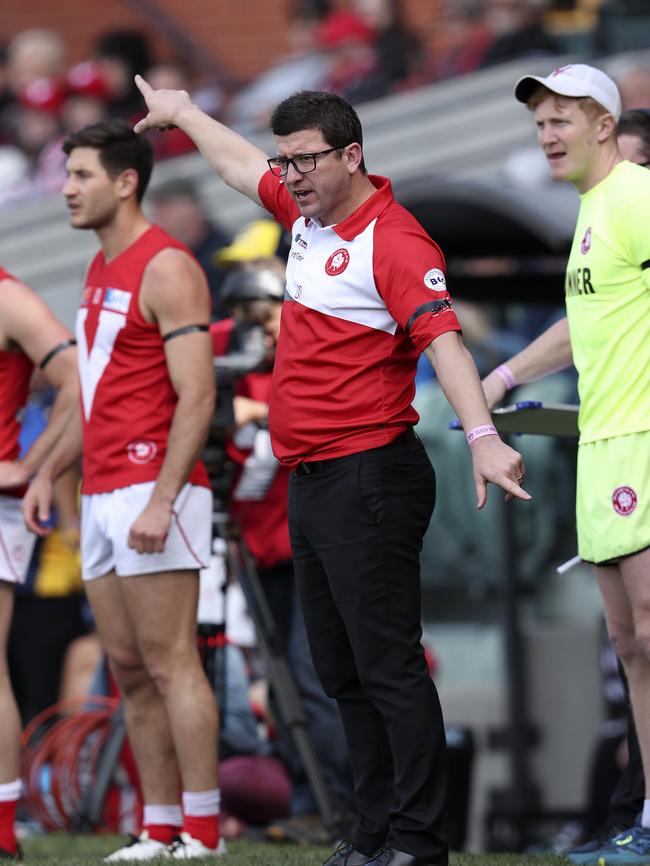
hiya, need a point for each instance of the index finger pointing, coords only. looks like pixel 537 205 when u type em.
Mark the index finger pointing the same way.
pixel 143 86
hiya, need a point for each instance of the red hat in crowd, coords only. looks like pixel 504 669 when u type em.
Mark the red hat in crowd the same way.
pixel 42 94
pixel 341 28
pixel 85 79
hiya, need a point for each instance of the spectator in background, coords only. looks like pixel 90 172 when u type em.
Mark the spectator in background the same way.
pixel 304 65
pixel 633 132
pixel 34 54
pixel 258 242
pixel 457 42
pixel 178 210
pixel 517 30
pixel 121 54
pixel 400 53
pixel 353 69
pixel 39 133
pixel 634 87
pixel 85 97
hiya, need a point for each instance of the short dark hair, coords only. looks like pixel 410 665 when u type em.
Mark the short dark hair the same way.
pixel 119 148
pixel 636 121
pixel 317 109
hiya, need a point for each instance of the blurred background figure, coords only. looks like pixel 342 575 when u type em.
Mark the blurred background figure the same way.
pixel 634 136
pixel 399 51
pixel 303 65
pixel 634 87
pixel 176 207
pixel 34 54
pixel 120 55
pixel 517 30
pixel 38 132
pixel 353 70
pixel 457 40
pixel 85 97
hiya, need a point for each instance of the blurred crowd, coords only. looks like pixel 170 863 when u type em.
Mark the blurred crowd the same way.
pixel 364 51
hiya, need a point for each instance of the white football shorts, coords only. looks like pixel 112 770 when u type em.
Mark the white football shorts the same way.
pixel 16 541
pixel 106 519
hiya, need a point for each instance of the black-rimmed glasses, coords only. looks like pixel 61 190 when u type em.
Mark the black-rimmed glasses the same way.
pixel 302 162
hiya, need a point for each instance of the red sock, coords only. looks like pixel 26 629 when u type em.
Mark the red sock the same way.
pixel 161 832
pixel 8 841
pixel 205 828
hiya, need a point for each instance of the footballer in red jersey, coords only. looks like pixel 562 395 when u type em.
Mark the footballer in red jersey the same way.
pixel 30 337
pixel 147 397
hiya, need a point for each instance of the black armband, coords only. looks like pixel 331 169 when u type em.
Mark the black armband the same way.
pixel 188 329
pixel 64 344
pixel 432 307
pixel 645 265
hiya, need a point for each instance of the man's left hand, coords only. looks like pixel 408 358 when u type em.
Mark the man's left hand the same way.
pixel 497 462
pixel 149 531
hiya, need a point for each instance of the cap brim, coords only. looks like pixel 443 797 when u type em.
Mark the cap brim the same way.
pixel 527 85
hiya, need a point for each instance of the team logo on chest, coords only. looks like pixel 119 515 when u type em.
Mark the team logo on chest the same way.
pixel 624 501
pixel 337 262
pixel 142 451
pixel 585 243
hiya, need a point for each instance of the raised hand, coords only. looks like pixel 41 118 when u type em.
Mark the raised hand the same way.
pixel 163 106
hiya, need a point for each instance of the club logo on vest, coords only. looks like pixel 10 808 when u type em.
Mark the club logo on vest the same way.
pixel 624 501
pixel 18 554
pixel 337 262
pixel 141 452
pixel 435 279
pixel 585 243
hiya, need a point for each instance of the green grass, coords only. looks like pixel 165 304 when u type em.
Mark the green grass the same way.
pixel 58 849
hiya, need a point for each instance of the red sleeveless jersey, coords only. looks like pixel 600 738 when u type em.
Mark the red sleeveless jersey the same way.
pixel 127 397
pixel 15 373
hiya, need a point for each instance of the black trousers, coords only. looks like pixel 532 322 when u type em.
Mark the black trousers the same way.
pixel 356 526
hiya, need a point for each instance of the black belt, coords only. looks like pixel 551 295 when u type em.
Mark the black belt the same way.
pixel 308 467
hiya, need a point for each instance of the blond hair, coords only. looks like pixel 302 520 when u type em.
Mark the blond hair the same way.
pixel 590 106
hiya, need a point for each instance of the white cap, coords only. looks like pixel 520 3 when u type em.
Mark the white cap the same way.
pixel 576 80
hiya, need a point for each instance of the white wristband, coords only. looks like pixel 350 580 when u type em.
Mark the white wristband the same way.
pixel 483 430
pixel 509 379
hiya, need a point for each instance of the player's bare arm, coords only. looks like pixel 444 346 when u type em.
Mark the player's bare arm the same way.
pixel 28 324
pixel 37 501
pixel 492 459
pixel 239 163
pixel 547 354
pixel 175 295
